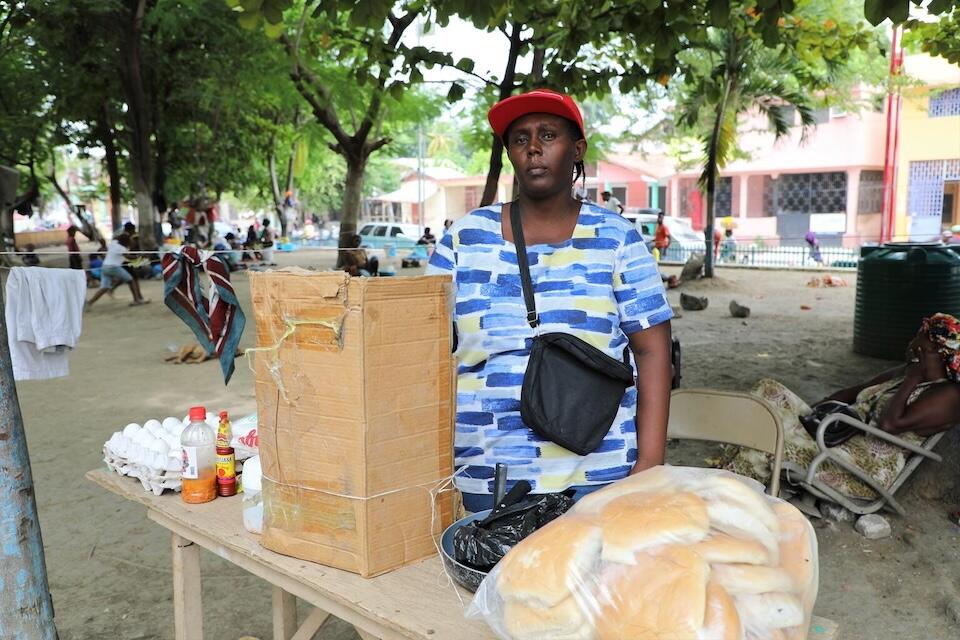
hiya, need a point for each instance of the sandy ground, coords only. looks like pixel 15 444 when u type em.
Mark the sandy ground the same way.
pixel 109 567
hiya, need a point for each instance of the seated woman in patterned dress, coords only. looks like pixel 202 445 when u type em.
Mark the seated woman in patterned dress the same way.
pixel 912 401
pixel 592 277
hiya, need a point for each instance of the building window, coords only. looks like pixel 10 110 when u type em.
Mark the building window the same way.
pixel 471 198
pixel 944 104
pixel 812 192
pixel 724 198
pixel 870 199
pixel 821 116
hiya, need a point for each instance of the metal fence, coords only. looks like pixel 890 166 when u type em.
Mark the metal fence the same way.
pixel 772 257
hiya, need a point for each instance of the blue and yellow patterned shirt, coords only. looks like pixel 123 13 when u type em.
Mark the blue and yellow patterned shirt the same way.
pixel 601 285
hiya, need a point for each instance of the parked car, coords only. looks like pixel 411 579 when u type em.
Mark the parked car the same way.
pixel 378 234
pixel 683 239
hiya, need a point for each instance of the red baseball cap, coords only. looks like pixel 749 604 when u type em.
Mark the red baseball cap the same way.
pixel 502 114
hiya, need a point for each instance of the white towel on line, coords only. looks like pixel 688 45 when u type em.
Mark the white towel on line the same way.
pixel 44 317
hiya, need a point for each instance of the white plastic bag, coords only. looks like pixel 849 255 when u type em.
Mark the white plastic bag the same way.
pixel 672 553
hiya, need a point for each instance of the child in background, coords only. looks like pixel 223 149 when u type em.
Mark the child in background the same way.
pixel 728 248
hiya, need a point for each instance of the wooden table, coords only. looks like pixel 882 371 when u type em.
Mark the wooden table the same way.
pixel 413 602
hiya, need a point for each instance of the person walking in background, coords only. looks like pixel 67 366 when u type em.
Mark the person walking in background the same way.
pixel 266 241
pixel 73 248
pixel 112 273
pixel 814 245
pixel 661 237
pixel 611 202
pixel 728 248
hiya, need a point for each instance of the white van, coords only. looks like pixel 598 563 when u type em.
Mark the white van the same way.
pixel 378 234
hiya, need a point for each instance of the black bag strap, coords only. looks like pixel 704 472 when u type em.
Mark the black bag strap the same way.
pixel 516 225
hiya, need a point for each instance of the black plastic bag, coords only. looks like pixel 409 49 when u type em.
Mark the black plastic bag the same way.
pixel 482 544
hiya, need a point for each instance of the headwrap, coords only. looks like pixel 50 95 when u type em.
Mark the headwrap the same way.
pixel 944 332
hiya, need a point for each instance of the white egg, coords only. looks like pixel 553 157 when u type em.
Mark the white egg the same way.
pixel 131 430
pixel 176 452
pixel 171 424
pixel 159 462
pixel 160 446
pixel 173 464
pixel 144 438
pixel 171 441
pixel 152 423
pixel 186 420
pixel 154 428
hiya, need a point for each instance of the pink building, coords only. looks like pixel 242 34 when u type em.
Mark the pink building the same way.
pixel 830 183
pixel 638 182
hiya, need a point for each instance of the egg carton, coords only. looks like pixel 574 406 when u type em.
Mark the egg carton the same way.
pixel 155 480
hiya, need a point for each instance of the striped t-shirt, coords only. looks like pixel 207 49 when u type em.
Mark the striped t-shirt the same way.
pixel 600 286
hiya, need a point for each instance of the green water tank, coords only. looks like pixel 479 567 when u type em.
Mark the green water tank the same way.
pixel 899 284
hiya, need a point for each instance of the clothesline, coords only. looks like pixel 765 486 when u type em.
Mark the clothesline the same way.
pixel 158 252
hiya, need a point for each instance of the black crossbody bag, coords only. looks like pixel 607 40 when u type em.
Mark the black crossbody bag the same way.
pixel 571 390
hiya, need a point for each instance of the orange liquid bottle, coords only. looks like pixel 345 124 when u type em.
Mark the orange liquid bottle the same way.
pixel 198 473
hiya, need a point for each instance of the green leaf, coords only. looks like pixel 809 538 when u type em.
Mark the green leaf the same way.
pixel 233 4
pixel 273 13
pixel 937 7
pixel 465 65
pixel 719 12
pixel 300 158
pixel 456 92
pixel 273 31
pixel 249 21
pixel 875 11
pixel 251 5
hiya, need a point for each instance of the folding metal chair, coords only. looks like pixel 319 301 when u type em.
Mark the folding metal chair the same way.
pixel 730 418
pixel 824 491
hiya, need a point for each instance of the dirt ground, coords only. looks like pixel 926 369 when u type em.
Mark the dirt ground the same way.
pixel 109 568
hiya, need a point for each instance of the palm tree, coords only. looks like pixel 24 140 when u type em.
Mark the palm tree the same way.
pixel 730 74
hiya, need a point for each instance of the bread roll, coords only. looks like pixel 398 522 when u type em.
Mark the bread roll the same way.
pixel 798 549
pixel 730 490
pixel 638 521
pixel 721 548
pixel 762 612
pixel 747 578
pixel 565 621
pixel 721 620
pixel 545 567
pixel 662 596
pixel 739 521
pixel 655 479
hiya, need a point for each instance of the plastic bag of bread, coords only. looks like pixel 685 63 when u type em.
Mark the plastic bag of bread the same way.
pixel 673 553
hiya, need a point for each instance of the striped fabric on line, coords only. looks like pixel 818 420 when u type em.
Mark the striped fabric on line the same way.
pixel 216 322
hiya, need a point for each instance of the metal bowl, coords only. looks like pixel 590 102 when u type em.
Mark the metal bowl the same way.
pixel 465 576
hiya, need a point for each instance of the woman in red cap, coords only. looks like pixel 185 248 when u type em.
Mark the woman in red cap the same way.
pixel 592 277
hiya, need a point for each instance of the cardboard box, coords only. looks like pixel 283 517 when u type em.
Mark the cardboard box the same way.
pixel 355 389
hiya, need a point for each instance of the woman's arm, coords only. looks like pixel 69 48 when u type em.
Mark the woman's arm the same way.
pixel 936 410
pixel 651 351
pixel 849 395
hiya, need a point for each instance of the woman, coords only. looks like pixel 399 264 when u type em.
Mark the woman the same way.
pixel 593 278
pixel 912 401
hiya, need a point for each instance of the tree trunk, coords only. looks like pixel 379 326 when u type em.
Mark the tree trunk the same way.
pixel 289 187
pixel 711 170
pixel 352 199
pixel 138 110
pixel 490 188
pixel 87 227
pixel 106 136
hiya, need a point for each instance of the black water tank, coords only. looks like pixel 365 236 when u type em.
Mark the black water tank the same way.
pixel 899 284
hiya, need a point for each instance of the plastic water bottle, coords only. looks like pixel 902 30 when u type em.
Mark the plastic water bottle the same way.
pixel 198 472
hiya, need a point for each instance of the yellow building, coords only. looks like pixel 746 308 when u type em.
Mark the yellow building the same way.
pixel 928 164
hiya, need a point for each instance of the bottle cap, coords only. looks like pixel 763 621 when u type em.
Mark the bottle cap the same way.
pixel 198 414
pixel 223 416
